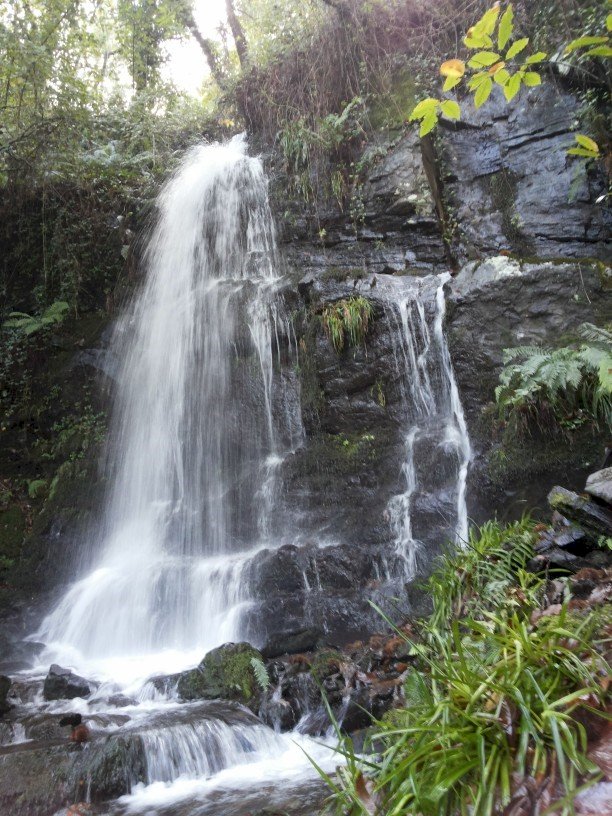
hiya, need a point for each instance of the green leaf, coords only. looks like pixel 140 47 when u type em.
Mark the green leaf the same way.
pixel 587 142
pixel 580 151
pixel 428 124
pixel 261 673
pixel 512 87
pixel 483 92
pixel 501 77
pixel 474 41
pixel 531 79
pixel 517 47
pixel 487 22
pixel 483 59
pixel 424 108
pixel 451 109
pixel 450 83
pixel 599 51
pixel 506 27
pixel 582 42
pixel 477 80
pixel 537 57
pixel 609 22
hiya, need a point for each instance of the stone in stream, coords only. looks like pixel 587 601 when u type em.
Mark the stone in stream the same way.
pixel 226 673
pixel 599 485
pixel 63 684
pixel 595 520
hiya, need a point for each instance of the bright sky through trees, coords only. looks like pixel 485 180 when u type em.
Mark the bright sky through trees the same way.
pixel 187 65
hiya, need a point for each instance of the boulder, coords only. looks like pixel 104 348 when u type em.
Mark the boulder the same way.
pixel 287 643
pixel 63 684
pixel 225 673
pixel 595 520
pixel 599 485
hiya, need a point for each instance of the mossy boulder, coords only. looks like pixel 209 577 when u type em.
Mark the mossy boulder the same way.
pixel 225 673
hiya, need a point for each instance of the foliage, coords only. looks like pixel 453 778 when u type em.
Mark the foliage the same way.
pixel 508 66
pixel 500 59
pixel 28 324
pixel 261 673
pixel 496 701
pixel 572 383
pixel 350 317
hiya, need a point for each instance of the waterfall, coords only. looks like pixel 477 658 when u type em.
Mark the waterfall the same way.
pixel 433 409
pixel 202 422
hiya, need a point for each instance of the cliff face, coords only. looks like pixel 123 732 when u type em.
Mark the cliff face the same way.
pixel 497 201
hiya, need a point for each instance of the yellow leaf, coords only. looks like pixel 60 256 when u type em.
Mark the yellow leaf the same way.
pixel 495 68
pixel 454 68
pixel 587 142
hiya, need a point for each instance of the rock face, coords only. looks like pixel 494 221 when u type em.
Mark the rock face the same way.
pixel 502 303
pixel 512 186
pixel 5 685
pixel 225 673
pixel 63 684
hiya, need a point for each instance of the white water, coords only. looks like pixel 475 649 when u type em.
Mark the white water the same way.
pixel 432 399
pixel 201 426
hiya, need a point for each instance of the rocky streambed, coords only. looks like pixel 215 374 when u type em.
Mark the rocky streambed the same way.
pixel 220 738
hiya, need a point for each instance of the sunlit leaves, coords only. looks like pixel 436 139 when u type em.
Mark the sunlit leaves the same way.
pixel 429 110
pixel 489 67
pixel 483 92
pixel 450 109
pixel 517 47
pixel 506 27
pixel 585 147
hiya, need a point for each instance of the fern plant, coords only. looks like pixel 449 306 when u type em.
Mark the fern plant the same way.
pixel 261 673
pixel 573 384
pixel 30 324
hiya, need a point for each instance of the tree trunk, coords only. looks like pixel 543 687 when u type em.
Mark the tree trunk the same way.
pixel 237 33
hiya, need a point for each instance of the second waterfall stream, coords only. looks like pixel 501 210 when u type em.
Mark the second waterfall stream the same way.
pixel 207 410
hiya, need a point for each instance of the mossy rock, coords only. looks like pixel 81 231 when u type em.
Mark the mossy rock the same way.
pixel 325 663
pixel 12 532
pixel 226 673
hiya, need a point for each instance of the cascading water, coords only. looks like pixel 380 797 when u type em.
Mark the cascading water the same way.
pixel 433 408
pixel 200 427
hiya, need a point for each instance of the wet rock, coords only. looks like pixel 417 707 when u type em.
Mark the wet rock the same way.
pixel 225 673
pixel 496 167
pixel 63 684
pixel 287 643
pixel 595 520
pixel 5 685
pixel 599 485
pixel 501 303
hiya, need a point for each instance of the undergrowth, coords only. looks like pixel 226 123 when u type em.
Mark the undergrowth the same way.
pixel 564 387
pixel 347 320
pixel 497 701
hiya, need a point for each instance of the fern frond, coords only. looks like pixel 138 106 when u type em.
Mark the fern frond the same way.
pixel 261 673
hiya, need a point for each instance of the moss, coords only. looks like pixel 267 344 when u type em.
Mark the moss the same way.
pixel 12 532
pixel 503 190
pixel 225 673
pixel 326 663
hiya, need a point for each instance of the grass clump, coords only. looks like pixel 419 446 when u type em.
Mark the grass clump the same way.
pixel 496 706
pixel 348 318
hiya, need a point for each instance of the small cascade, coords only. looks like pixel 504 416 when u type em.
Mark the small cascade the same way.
pixel 433 414
pixel 201 749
